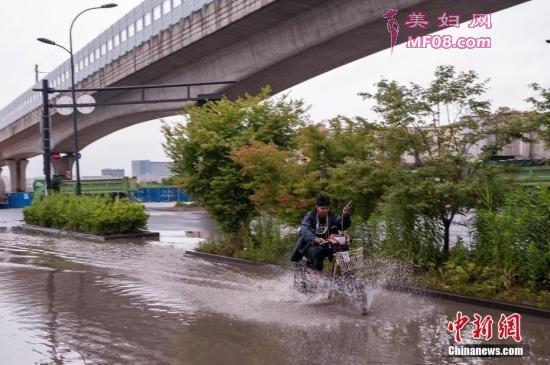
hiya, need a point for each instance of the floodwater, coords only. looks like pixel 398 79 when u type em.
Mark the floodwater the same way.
pixel 66 301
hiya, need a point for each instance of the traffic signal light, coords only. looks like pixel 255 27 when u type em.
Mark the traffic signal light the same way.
pixel 204 98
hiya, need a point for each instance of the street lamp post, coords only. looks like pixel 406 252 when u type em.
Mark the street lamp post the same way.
pixel 73 92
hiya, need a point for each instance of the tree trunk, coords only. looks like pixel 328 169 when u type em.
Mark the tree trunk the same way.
pixel 446 237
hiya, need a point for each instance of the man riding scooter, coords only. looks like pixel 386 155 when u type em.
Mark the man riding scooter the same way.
pixel 317 239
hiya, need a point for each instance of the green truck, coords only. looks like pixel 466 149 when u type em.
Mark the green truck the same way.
pixel 125 187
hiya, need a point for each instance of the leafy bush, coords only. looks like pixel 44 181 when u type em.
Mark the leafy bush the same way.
pixel 513 239
pixel 509 258
pixel 269 242
pixel 396 234
pixel 86 214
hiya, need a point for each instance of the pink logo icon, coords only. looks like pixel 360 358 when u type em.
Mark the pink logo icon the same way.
pixel 393 26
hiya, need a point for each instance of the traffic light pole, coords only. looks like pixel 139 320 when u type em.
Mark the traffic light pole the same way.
pixel 46 134
pixel 199 99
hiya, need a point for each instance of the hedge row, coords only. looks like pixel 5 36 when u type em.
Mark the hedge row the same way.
pixel 86 214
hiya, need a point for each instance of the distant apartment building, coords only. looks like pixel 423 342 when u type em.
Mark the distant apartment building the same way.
pixel 517 149
pixel 112 173
pixel 151 171
pixel 29 183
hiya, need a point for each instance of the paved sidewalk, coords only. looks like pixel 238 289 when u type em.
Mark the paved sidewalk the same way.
pixel 11 217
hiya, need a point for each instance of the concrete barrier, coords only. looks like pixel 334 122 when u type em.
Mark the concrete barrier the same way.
pixel 209 256
pixel 28 228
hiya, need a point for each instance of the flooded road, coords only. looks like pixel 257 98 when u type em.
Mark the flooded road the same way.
pixel 65 301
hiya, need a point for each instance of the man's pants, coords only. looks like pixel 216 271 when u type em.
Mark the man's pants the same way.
pixel 316 254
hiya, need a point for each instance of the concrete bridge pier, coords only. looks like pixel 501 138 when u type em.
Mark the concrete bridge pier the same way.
pixel 2 187
pixel 18 174
pixel 64 166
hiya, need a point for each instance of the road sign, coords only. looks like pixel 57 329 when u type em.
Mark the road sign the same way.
pixel 68 101
pixel 66 110
pixel 85 99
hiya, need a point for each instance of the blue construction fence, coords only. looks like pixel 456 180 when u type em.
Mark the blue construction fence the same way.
pixel 149 194
pixel 161 194
pixel 17 200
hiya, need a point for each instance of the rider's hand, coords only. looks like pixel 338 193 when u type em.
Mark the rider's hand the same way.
pixel 319 240
pixel 347 209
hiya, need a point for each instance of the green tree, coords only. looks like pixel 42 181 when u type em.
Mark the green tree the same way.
pixel 202 151
pixel 431 136
pixel 358 174
pixel 275 177
pixel 339 160
pixel 541 113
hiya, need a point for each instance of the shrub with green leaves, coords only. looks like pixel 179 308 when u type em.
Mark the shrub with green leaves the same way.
pixel 399 234
pixel 270 241
pixel 513 239
pixel 86 214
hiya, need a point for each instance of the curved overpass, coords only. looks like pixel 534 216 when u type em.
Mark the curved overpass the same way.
pixel 255 42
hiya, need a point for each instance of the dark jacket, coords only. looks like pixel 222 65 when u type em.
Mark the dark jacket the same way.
pixel 307 231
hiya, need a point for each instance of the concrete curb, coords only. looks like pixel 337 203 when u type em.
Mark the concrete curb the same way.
pixel 28 228
pixel 516 308
pixel 511 307
pixel 209 256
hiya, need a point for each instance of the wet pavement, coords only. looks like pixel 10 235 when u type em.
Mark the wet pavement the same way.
pixel 65 301
pixel 10 217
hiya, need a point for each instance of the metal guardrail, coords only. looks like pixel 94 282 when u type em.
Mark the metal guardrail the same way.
pixel 532 175
pixel 145 21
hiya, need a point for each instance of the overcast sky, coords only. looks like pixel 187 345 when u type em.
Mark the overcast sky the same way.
pixel 518 56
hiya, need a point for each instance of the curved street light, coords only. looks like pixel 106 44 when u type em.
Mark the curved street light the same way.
pixel 73 92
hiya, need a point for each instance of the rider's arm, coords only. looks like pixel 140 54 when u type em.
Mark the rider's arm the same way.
pixel 307 231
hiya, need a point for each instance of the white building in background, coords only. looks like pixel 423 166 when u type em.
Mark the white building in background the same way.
pixel 517 149
pixel 29 182
pixel 151 171
pixel 112 173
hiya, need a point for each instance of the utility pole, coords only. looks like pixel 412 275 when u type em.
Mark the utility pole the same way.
pixel 73 92
pixel 46 134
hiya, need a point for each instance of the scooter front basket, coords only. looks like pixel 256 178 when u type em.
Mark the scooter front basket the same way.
pixel 349 261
